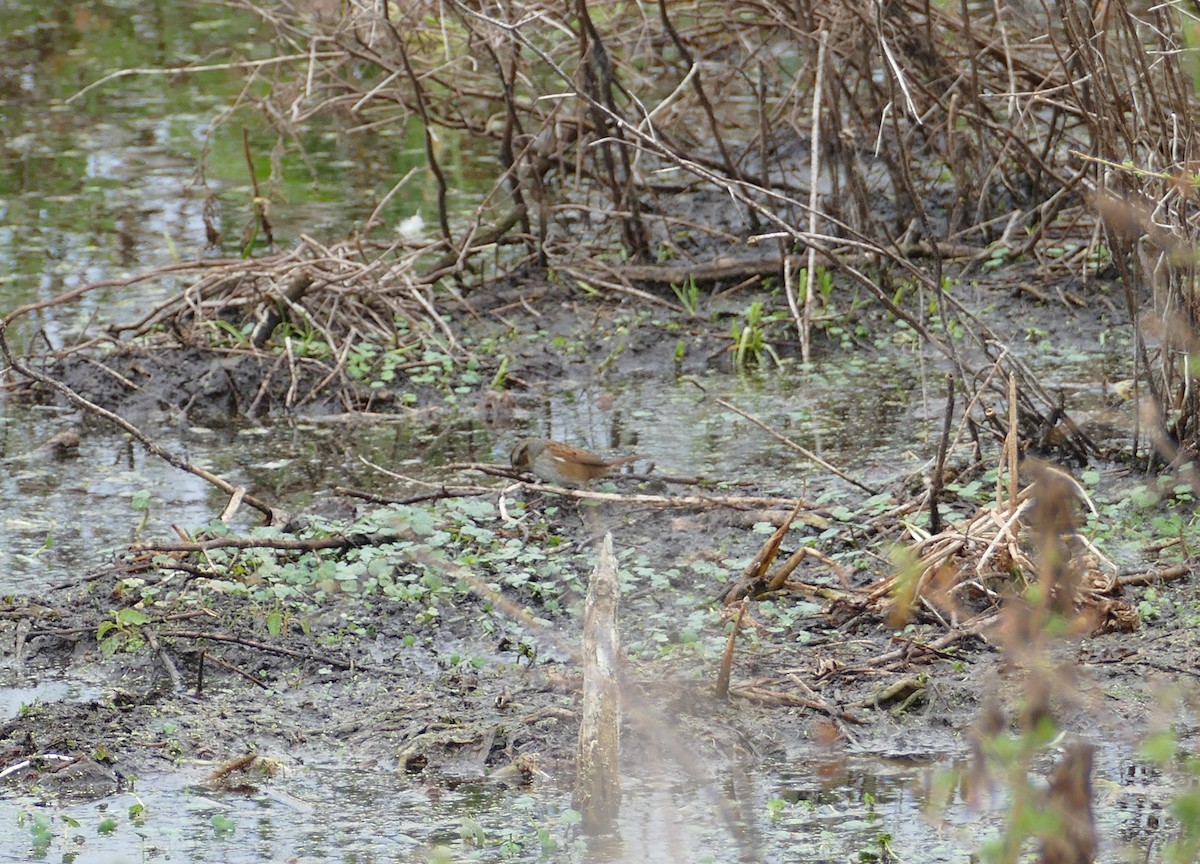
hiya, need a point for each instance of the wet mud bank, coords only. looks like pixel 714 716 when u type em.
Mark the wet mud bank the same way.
pixel 325 652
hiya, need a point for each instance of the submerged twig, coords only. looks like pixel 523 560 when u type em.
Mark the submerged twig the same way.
pixel 151 446
pixel 802 450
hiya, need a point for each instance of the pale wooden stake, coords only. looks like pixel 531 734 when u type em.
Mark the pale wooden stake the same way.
pixel 597 794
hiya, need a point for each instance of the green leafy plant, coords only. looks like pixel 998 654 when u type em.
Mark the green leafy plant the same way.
pixel 47 541
pixel 997 257
pixel 222 825
pixel 498 380
pixel 121 632
pixel 822 282
pixel 237 336
pixel 141 504
pixel 750 344
pixel 689 295
pixel 304 340
pixel 376 367
pixel 40 833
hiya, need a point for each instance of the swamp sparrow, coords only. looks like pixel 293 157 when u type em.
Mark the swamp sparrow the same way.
pixel 562 464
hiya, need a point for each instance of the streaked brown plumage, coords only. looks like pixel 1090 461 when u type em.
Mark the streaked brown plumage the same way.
pixel 562 464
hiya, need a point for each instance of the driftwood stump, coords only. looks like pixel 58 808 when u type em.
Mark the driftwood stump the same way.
pixel 597 794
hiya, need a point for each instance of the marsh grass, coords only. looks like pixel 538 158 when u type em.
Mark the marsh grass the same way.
pixel 949 145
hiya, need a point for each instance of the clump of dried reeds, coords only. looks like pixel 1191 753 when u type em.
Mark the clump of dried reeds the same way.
pixel 901 145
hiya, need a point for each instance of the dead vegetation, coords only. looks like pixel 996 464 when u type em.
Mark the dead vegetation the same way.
pixel 904 147
pixel 901 146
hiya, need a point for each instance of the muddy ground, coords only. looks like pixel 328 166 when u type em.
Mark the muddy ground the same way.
pixel 204 675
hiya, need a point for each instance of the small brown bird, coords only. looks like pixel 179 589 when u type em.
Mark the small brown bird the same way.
pixel 562 464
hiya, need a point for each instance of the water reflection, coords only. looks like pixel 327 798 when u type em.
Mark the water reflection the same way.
pixel 119 178
pixel 855 417
pixel 80 507
pixel 370 812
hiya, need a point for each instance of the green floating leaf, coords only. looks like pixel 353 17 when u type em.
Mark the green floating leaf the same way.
pixel 222 824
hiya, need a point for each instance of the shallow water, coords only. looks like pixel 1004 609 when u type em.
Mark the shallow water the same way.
pixel 58 518
pixel 370 813
pixel 110 185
